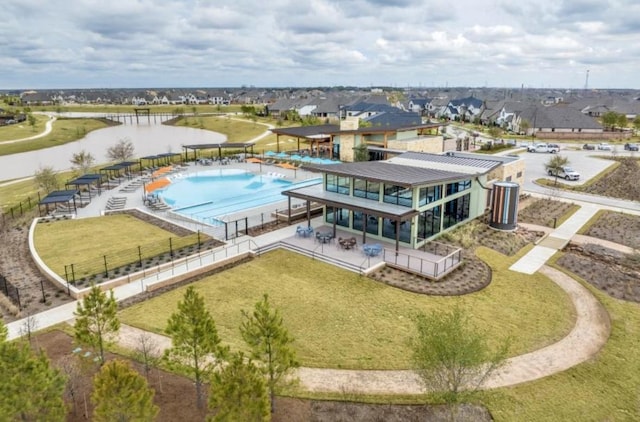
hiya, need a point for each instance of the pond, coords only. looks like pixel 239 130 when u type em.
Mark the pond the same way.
pixel 148 139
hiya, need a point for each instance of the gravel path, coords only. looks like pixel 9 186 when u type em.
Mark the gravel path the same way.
pixel 587 337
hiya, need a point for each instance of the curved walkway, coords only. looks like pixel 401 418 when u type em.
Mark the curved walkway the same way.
pixel 48 127
pixel 587 337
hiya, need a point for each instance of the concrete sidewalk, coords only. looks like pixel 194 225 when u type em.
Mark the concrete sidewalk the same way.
pixel 555 241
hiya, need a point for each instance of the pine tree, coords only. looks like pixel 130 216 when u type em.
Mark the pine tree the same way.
pixel 194 338
pixel 30 388
pixel 122 394
pixel 270 343
pixel 238 392
pixel 96 320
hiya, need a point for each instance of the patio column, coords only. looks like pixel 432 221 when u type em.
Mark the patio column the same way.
pixel 308 213
pixel 365 217
pixel 334 221
pixel 289 210
pixel 397 237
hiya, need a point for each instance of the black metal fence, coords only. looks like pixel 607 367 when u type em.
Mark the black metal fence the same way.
pixel 19 209
pixel 10 291
pixel 129 260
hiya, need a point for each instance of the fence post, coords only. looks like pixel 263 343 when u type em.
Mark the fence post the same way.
pixel 44 297
pixel 171 248
pixel 106 269
pixel 198 239
pixel 140 256
pixel 73 275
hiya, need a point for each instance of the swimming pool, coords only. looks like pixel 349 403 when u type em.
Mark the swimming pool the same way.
pixel 209 195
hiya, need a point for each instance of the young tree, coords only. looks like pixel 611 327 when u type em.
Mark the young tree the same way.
pixel 494 131
pixel 147 350
pixel 609 119
pixel 555 164
pixel 46 179
pixel 451 356
pixel 32 121
pixel 524 126
pixel 30 389
pixel 270 343
pixel 123 150
pixel 636 123
pixel 195 345
pixel 82 161
pixel 96 320
pixel 121 394
pixel 622 121
pixel 361 152
pixel 238 392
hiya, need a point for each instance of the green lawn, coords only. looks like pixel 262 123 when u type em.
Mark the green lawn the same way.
pixel 64 131
pixel 121 108
pixel 340 319
pixel 236 130
pixel 85 241
pixel 606 388
pixel 23 130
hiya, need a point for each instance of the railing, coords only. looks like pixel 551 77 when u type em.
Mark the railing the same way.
pixel 433 269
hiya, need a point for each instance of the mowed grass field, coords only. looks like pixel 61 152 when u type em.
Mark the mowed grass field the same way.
pixel 342 320
pixel 606 388
pixel 66 242
pixel 63 131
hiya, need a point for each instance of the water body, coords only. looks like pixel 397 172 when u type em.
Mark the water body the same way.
pixel 148 139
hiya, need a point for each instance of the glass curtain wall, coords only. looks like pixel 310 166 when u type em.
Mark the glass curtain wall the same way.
pixel 456 210
pixel 429 222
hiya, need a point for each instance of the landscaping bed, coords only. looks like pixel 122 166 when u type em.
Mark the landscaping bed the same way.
pixel 613 272
pixel 175 395
pixel 616 227
pixel 543 212
pixel 620 183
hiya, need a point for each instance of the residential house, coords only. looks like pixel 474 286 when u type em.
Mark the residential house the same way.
pixel 559 121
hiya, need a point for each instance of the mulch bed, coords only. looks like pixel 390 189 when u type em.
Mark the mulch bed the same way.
pixel 613 272
pixel 617 227
pixel 542 212
pixel 620 183
pixel 175 395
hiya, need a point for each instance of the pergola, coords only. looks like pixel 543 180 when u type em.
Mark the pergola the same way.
pixel 115 169
pixel 87 180
pixel 312 134
pixel 58 197
pixel 225 145
pixel 164 158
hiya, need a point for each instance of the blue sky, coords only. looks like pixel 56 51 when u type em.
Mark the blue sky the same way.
pixel 280 43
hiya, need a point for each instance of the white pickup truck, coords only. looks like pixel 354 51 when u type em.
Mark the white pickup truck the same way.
pixel 566 173
pixel 550 148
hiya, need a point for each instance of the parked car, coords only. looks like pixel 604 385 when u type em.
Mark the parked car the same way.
pixel 566 173
pixel 604 147
pixel 550 148
pixel 590 147
pixel 631 147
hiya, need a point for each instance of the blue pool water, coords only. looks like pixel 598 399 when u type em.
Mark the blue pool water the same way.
pixel 210 195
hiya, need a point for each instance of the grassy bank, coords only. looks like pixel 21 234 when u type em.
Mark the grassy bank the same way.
pixel 63 131
pixel 342 320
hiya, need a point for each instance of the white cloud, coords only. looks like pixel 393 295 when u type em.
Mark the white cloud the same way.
pixel 318 42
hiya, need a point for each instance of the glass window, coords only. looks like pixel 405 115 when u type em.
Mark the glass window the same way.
pixel 398 195
pixel 458 186
pixel 366 189
pixel 358 218
pixel 389 230
pixel 429 222
pixel 456 210
pixel 430 194
pixel 339 184
pixel 372 224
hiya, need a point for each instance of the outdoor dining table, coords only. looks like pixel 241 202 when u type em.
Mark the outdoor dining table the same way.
pixel 324 237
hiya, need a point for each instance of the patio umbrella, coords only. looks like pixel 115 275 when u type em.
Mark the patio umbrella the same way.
pixel 296 157
pixel 287 166
pixel 254 160
pixel 282 155
pixel 269 154
pixel 306 159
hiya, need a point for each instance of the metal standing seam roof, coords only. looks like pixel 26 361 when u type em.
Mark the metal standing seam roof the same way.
pixel 384 172
pixel 58 196
pixel 218 145
pixel 333 199
pixel 453 159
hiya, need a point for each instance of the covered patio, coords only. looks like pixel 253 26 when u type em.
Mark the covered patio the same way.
pixel 433 262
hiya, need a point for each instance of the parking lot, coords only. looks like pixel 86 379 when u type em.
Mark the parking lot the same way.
pixel 584 162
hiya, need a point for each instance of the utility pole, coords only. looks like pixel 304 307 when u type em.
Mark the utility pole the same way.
pixel 586 82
